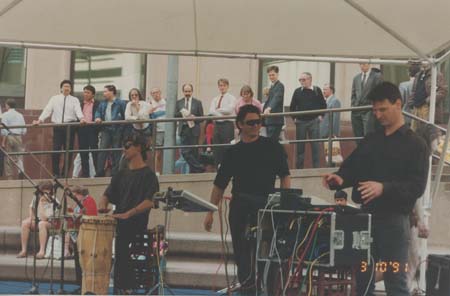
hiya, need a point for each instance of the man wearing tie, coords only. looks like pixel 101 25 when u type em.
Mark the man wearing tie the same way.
pixel 189 131
pixel 62 108
pixel 222 105
pixel 274 104
pixel 363 121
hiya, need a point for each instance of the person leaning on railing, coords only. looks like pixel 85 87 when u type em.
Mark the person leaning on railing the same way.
pixel 62 108
pixel 111 109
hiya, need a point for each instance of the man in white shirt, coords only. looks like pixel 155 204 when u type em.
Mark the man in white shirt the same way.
pixel 12 137
pixel 62 108
pixel 222 105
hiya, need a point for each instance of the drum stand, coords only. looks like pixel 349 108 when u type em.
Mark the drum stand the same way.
pixel 161 285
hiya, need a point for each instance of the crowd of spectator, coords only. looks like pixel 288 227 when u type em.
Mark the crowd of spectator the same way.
pixel 64 107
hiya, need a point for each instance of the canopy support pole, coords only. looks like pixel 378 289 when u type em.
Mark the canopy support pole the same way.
pixel 9 7
pixel 391 32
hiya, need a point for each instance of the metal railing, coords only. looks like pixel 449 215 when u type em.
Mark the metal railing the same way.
pixel 154 124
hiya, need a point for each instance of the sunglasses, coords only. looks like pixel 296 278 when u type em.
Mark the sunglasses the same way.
pixel 253 122
pixel 127 145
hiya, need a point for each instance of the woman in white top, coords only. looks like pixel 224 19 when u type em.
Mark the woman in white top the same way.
pixel 138 109
pixel 45 210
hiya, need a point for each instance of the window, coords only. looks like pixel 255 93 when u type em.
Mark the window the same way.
pixel 124 70
pixel 12 74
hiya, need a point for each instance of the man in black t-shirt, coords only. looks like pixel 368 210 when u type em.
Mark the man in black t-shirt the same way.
pixel 131 191
pixel 252 165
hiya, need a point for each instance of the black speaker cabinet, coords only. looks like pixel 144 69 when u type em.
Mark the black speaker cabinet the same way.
pixel 438 275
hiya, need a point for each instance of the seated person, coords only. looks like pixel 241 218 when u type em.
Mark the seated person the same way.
pixel 340 198
pixel 89 209
pixel 45 210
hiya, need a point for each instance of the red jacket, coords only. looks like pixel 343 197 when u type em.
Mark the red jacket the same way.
pixel 90 206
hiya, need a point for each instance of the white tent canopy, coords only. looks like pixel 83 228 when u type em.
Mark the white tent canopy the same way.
pixel 381 29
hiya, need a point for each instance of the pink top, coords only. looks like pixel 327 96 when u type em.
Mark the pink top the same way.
pixel 241 103
pixel 88 108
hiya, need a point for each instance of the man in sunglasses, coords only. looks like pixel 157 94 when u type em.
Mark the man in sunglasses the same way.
pixel 131 191
pixel 253 164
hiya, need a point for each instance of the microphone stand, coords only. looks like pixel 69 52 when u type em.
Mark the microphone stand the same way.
pixel 170 205
pixel 34 287
pixel 38 192
pixel 67 193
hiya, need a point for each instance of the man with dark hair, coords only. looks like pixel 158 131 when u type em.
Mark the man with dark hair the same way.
pixel 131 191
pixel 420 96
pixel 189 131
pixel 363 83
pixel 111 109
pixel 252 164
pixel 388 172
pixel 88 135
pixel 12 138
pixel 222 105
pixel 274 104
pixel 340 198
pixel 306 98
pixel 62 108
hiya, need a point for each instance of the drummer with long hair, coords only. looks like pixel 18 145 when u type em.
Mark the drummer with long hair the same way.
pixel 131 191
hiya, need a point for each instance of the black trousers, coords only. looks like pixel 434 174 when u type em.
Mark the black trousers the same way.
pixel 242 217
pixel 190 154
pixel 59 144
pixel 87 139
pixel 390 244
pixel 223 134
pixel 124 275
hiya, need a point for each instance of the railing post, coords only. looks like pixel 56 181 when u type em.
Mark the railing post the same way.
pixel 153 146
pixel 330 142
pixel 67 153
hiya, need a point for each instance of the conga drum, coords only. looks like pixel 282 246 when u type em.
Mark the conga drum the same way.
pixel 95 251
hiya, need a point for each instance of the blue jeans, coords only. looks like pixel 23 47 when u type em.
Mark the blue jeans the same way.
pixel 310 129
pixel 390 233
pixel 109 138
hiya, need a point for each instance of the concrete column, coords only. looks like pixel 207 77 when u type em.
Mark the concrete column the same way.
pixel 46 68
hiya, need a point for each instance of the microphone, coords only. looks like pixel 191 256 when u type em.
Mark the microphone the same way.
pixel 69 193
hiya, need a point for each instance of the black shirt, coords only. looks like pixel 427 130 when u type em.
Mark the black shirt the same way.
pixel 305 99
pixel 253 167
pixel 128 189
pixel 399 161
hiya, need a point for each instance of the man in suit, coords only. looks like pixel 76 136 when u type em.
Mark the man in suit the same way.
pixel 363 122
pixel 332 103
pixel 189 131
pixel 274 104
pixel 88 135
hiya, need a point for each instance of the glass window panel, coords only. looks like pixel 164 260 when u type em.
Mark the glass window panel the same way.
pixel 124 70
pixel 12 74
